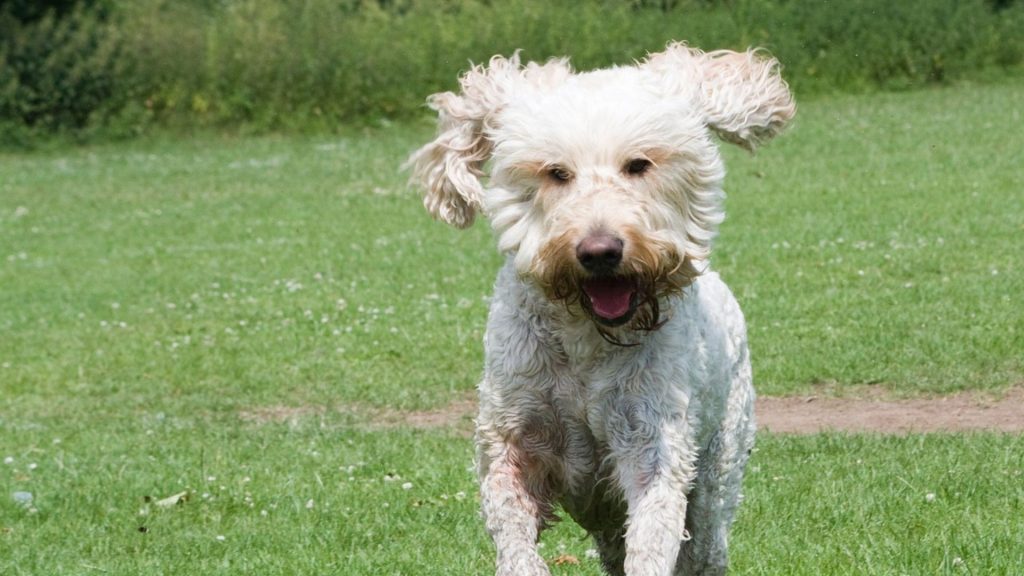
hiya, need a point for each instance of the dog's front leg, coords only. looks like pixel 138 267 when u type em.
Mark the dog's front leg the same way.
pixel 655 465
pixel 513 510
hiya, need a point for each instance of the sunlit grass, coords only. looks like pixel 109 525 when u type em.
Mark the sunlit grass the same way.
pixel 880 243
pixel 319 496
pixel 153 294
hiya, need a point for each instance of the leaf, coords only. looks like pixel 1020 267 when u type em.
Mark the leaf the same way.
pixel 179 498
pixel 563 559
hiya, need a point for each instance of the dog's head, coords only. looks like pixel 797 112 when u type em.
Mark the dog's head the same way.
pixel 606 185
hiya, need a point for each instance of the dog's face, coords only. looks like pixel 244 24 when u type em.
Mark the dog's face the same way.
pixel 606 186
pixel 605 190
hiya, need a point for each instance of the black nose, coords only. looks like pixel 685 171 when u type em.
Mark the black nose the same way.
pixel 599 253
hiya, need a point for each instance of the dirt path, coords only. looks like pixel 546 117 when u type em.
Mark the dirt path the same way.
pixel 871 412
pixel 959 412
pixel 810 414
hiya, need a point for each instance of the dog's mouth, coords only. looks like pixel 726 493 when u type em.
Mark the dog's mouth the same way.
pixel 612 300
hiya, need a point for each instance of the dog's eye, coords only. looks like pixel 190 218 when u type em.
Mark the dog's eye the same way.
pixel 637 166
pixel 559 174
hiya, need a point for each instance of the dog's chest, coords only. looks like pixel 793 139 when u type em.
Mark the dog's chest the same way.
pixel 588 490
pixel 583 398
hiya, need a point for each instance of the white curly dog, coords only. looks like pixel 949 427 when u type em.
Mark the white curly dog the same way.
pixel 617 380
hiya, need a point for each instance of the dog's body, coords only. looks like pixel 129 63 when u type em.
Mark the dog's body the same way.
pixel 661 430
pixel 617 380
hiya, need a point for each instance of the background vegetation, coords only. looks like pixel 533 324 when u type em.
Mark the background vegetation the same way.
pixel 119 67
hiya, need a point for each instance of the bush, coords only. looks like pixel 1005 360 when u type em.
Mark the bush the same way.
pixel 285 64
pixel 56 71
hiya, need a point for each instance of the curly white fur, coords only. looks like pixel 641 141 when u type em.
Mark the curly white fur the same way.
pixel 617 380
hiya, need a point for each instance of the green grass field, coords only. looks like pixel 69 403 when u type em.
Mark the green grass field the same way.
pixel 154 295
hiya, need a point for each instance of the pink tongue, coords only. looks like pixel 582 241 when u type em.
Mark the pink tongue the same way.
pixel 609 297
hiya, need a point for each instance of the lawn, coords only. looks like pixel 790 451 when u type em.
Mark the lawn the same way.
pixel 163 302
pixel 320 496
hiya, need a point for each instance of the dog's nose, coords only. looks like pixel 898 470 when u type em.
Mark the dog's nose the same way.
pixel 599 253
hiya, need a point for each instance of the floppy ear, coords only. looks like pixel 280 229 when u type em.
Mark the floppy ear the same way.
pixel 743 96
pixel 449 168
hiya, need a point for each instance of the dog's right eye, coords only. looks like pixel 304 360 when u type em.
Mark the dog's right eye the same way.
pixel 637 167
pixel 559 174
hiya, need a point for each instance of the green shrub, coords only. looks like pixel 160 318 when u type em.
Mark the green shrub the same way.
pixel 56 71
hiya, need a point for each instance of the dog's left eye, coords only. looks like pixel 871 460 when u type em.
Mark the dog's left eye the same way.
pixel 559 174
pixel 637 166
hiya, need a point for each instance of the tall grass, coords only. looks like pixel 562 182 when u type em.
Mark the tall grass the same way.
pixel 273 63
pixel 285 64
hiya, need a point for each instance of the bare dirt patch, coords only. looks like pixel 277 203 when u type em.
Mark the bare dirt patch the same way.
pixel 955 413
pixel 457 415
pixel 279 414
pixel 871 411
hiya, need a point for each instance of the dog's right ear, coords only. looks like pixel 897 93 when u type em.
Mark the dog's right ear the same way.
pixel 742 94
pixel 449 168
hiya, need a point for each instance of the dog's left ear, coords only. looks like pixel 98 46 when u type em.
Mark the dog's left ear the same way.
pixel 449 168
pixel 742 94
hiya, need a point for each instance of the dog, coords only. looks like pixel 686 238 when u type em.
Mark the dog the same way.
pixel 617 383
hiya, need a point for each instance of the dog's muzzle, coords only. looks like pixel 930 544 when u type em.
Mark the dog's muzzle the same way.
pixel 609 296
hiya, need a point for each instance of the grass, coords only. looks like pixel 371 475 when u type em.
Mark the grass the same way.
pixel 152 293
pixel 267 270
pixel 879 243
pixel 322 497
